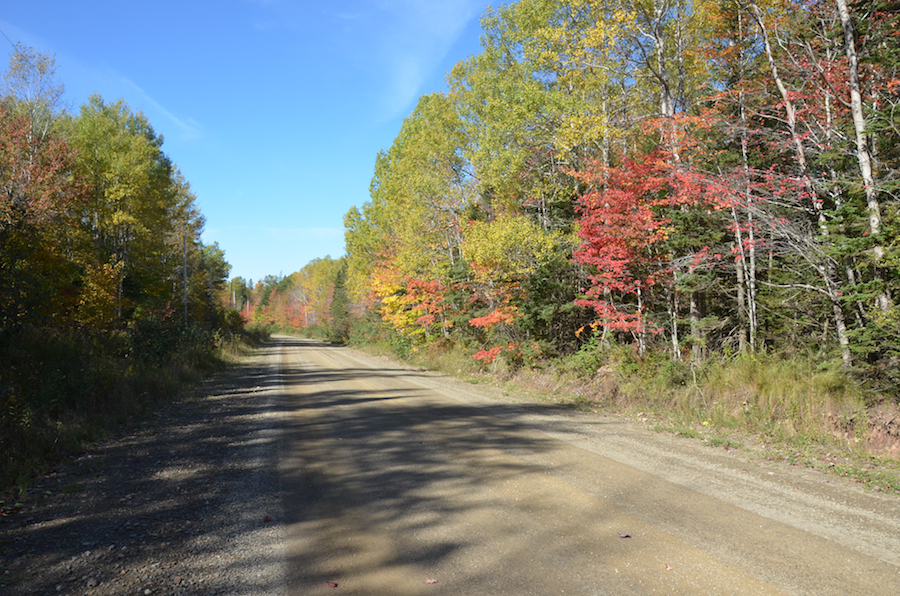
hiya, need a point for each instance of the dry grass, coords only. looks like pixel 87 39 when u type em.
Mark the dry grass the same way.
pixel 788 409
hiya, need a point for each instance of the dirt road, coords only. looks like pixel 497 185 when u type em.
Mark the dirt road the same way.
pixel 396 478
pixel 307 465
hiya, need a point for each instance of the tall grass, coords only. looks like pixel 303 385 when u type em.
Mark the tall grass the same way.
pixel 787 399
pixel 62 389
pixel 791 401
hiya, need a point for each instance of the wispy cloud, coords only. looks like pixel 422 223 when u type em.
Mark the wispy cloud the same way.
pixel 97 79
pixel 402 42
pixel 424 31
pixel 189 127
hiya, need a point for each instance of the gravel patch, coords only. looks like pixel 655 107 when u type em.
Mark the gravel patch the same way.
pixel 190 504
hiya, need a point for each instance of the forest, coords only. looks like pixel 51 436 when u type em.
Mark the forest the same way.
pixel 693 178
pixel 109 300
pixel 702 195
pixel 664 205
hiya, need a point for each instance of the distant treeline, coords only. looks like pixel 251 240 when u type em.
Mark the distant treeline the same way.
pixel 308 301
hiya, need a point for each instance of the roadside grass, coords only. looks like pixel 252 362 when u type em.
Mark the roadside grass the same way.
pixel 876 473
pixel 61 391
pixel 875 479
pixel 788 409
pixel 794 410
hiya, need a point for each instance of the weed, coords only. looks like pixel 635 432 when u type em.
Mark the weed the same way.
pixel 680 429
pixel 872 479
pixel 61 390
pixel 719 441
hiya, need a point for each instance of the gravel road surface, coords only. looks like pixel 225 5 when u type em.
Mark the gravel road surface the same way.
pixel 311 469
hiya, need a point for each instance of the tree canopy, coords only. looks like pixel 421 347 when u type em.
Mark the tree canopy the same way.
pixel 97 224
pixel 687 177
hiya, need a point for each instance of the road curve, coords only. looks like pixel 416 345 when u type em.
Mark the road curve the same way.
pixel 404 482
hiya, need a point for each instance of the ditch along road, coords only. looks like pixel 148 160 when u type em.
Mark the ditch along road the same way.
pixel 399 481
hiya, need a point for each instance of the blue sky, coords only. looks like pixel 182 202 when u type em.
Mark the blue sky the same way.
pixel 274 110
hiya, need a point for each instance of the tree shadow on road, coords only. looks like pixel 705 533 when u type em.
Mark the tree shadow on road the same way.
pixel 192 503
pixel 382 474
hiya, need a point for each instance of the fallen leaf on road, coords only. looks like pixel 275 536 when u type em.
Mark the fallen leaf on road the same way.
pixel 430 581
pixel 331 584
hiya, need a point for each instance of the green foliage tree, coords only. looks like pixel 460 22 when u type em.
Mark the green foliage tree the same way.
pixel 140 210
pixel 38 197
pixel 98 231
pixel 340 307
pixel 419 185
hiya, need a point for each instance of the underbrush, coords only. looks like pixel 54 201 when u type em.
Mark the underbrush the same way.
pixel 783 399
pixel 370 334
pixel 794 409
pixel 63 389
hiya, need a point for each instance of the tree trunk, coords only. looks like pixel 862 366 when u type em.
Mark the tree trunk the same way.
pixel 741 304
pixel 673 317
pixel 791 118
pixel 840 326
pixel 748 256
pixel 698 312
pixel 863 156
pixel 826 269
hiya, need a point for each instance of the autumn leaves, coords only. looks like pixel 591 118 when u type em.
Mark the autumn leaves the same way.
pixel 96 223
pixel 627 167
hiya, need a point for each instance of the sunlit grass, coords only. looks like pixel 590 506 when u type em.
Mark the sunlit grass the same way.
pixel 757 403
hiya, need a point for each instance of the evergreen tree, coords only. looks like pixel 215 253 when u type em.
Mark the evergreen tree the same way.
pixel 340 307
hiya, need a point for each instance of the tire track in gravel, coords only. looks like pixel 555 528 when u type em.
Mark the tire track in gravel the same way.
pixel 397 475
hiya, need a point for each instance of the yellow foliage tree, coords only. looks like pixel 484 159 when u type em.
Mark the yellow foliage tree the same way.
pixel 99 295
pixel 503 254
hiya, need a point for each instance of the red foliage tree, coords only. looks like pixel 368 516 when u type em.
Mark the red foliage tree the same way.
pixel 37 195
pixel 624 227
pixel 34 178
